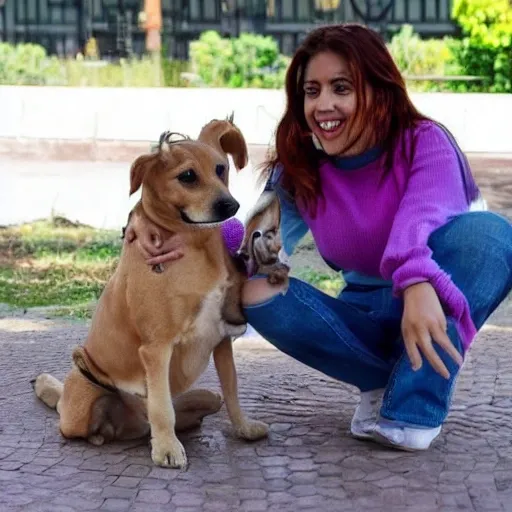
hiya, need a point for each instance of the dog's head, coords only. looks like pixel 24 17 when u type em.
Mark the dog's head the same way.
pixel 262 242
pixel 185 182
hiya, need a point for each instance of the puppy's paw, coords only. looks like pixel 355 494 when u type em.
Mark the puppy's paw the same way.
pixel 251 430
pixel 168 453
pixel 96 440
pixel 278 274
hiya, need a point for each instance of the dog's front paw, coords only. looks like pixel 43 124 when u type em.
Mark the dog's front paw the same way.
pixel 251 430
pixel 278 274
pixel 168 453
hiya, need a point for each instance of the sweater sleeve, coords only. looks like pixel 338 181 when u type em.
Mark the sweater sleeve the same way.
pixel 434 193
pixel 292 227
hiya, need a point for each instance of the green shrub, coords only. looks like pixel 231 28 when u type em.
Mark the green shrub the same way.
pixel 415 56
pixel 250 60
pixel 28 64
pixel 486 48
pixel 126 73
pixel 418 59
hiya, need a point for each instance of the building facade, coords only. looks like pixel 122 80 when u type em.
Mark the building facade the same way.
pixel 64 26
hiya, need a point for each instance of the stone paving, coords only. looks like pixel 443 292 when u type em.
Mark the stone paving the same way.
pixel 309 462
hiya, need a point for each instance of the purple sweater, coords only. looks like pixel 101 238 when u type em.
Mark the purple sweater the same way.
pixel 378 224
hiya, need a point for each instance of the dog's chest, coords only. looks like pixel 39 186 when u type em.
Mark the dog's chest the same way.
pixel 207 327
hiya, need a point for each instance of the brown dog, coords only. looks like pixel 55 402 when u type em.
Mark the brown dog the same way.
pixel 152 334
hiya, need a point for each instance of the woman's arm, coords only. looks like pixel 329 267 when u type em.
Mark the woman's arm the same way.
pixel 292 227
pixel 435 192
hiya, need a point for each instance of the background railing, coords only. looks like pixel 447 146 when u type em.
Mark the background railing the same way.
pixel 64 26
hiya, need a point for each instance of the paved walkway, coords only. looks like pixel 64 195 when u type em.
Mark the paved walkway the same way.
pixel 309 462
pixel 96 192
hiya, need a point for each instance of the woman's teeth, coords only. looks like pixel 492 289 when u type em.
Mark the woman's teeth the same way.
pixel 329 125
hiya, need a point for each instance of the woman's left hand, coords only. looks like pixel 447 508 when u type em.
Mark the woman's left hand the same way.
pixel 424 321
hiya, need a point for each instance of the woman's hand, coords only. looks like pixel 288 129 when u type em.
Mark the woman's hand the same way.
pixel 424 321
pixel 156 244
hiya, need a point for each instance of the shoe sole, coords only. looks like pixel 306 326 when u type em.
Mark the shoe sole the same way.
pixel 362 437
pixel 383 440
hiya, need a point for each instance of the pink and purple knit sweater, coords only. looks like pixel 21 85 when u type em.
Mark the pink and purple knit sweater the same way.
pixel 377 224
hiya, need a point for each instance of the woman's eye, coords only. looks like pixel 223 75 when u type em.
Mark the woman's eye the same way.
pixel 219 170
pixel 309 91
pixel 340 89
pixel 188 177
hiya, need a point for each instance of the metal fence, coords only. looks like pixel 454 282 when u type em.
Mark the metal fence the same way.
pixel 64 26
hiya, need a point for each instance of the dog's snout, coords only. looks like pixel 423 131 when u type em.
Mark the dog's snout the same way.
pixel 225 208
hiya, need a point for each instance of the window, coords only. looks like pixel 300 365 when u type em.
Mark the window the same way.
pixel 303 10
pixel 210 10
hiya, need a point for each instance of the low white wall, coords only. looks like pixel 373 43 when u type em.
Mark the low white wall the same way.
pixel 481 122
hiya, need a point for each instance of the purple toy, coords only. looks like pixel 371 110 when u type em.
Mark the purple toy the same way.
pixel 233 233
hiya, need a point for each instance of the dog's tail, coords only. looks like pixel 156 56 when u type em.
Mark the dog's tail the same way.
pixel 48 389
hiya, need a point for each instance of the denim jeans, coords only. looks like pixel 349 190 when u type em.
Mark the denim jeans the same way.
pixel 356 337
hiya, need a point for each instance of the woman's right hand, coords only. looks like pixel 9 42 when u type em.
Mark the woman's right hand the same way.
pixel 156 244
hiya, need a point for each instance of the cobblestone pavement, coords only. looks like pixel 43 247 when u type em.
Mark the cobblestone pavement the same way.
pixel 309 462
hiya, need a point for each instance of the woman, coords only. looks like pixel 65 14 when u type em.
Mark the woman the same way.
pixel 386 194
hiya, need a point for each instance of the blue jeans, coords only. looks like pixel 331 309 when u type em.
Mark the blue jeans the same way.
pixel 356 337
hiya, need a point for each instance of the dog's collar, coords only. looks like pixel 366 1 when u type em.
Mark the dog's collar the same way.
pixel 91 378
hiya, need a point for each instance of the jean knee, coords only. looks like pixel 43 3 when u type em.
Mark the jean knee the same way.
pixel 478 234
pixel 259 291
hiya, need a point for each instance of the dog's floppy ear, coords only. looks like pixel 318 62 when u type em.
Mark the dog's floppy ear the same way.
pixel 139 169
pixel 226 137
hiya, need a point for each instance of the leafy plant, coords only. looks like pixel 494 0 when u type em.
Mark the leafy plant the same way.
pixel 27 64
pixel 415 56
pixel 486 49
pixel 250 60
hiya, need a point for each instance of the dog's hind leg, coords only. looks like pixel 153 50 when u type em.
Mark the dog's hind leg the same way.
pixel 49 390
pixel 116 416
pixel 191 407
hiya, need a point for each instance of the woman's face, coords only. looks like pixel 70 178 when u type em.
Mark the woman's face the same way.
pixel 330 103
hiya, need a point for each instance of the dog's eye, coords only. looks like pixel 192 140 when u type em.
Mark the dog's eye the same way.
pixel 219 170
pixel 188 177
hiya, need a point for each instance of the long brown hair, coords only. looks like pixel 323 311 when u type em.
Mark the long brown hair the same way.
pixel 370 63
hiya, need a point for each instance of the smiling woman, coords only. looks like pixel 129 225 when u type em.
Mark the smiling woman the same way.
pixel 387 195
pixel 330 100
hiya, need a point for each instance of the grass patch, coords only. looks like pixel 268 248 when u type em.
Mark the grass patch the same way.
pixel 55 262
pixel 331 284
pixel 59 264
pixel 75 312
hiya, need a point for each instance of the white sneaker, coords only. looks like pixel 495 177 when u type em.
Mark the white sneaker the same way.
pixel 366 415
pixel 408 439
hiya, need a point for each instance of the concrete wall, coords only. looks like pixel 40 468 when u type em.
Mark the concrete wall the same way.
pixel 481 122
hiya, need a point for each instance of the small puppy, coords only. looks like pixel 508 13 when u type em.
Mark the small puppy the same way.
pixel 262 242
pixel 152 334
